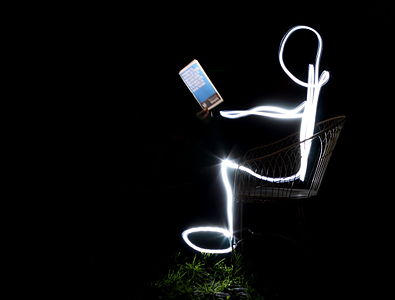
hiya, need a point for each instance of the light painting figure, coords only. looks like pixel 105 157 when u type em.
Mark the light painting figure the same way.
pixel 306 111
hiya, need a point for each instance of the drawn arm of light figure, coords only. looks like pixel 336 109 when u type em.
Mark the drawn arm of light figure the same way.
pixel 266 111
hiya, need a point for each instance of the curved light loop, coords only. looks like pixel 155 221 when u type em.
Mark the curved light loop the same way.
pixel 223 231
pixel 306 111
pixel 324 76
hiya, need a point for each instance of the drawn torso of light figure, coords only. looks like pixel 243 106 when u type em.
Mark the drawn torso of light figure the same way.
pixel 306 111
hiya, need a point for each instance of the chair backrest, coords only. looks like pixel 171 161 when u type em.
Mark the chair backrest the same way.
pixel 282 159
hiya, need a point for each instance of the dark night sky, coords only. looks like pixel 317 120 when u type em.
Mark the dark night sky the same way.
pixel 130 163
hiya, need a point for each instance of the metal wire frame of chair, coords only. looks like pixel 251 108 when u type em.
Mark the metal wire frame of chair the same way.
pixel 282 159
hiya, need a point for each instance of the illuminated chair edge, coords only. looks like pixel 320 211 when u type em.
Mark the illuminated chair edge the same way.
pixel 283 161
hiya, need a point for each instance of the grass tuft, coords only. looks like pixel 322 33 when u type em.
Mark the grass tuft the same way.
pixel 206 276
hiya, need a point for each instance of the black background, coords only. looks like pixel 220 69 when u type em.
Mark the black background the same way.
pixel 121 164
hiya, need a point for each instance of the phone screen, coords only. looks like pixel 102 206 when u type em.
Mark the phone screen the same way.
pixel 200 85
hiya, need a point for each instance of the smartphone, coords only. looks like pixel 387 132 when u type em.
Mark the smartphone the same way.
pixel 200 85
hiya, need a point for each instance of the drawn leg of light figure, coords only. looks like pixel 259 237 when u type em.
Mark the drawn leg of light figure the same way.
pixel 226 232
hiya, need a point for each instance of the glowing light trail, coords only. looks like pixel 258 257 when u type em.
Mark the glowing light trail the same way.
pixel 309 107
pixel 266 111
pixel 223 231
pixel 227 233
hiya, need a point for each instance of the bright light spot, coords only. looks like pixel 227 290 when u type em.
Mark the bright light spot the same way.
pixel 306 111
pixel 229 163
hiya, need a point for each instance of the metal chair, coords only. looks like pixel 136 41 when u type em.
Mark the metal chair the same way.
pixel 281 160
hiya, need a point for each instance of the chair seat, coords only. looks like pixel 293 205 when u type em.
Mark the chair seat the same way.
pixel 260 194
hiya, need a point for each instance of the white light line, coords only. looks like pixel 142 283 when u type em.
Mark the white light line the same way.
pixel 266 111
pixel 271 179
pixel 229 194
pixel 227 233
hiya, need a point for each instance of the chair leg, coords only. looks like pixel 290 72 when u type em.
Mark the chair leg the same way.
pixel 240 223
pixel 300 211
